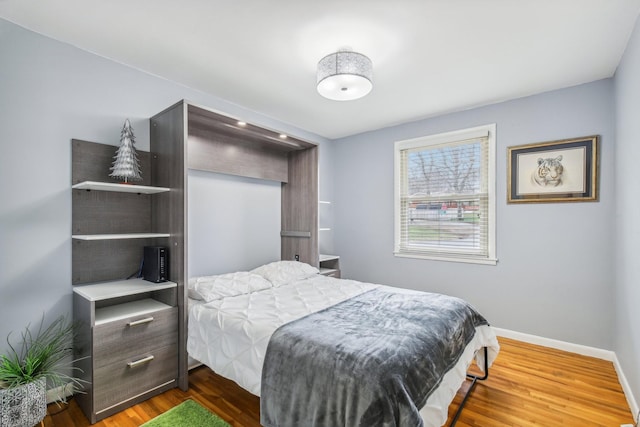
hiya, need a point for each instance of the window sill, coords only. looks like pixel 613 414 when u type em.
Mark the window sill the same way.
pixel 487 261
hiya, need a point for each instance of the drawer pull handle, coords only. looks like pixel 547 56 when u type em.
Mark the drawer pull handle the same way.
pixel 140 361
pixel 141 321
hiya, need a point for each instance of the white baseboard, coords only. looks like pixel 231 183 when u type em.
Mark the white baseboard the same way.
pixel 584 350
pixel 193 363
pixel 55 394
pixel 559 345
pixel 633 403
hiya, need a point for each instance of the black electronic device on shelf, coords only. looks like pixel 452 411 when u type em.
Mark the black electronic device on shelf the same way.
pixel 155 265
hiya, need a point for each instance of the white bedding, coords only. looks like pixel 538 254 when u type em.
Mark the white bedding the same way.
pixel 230 335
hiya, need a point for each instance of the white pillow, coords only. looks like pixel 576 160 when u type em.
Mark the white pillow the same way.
pixel 283 272
pixel 210 288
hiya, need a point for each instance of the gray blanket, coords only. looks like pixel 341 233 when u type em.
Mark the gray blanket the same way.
pixel 372 360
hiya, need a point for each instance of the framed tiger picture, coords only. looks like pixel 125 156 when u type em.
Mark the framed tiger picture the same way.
pixel 553 171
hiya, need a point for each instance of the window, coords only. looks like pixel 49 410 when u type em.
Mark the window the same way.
pixel 445 196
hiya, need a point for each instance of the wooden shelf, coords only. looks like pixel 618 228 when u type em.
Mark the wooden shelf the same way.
pixel 119 288
pixel 120 188
pixel 118 236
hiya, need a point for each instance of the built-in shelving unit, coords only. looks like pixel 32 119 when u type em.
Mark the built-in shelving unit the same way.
pixel 330 265
pixel 128 344
pixel 111 221
pixel 133 343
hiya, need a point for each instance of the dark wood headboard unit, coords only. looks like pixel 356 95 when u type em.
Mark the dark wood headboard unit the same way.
pixel 192 137
pixel 219 143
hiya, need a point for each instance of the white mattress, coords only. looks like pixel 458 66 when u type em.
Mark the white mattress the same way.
pixel 230 335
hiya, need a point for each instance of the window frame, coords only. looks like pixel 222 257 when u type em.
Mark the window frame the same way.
pixel 449 138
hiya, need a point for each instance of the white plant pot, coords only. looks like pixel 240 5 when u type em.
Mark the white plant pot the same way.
pixel 23 406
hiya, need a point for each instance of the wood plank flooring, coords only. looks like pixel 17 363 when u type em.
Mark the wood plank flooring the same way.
pixel 528 385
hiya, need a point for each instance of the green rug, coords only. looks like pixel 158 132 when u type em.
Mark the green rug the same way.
pixel 187 414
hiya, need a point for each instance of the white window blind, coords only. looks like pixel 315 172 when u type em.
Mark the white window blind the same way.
pixel 445 201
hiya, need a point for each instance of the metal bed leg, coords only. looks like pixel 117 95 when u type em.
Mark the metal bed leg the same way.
pixel 474 379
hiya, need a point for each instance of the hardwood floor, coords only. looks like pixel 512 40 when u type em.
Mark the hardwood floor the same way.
pixel 528 385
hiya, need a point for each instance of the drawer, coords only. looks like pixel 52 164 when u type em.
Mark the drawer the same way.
pixel 117 382
pixel 127 338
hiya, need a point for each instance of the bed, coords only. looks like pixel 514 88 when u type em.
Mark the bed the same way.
pixel 291 336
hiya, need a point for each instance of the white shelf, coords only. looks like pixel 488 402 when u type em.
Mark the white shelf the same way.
pixel 328 257
pixel 322 202
pixel 119 288
pixel 325 229
pixel 120 188
pixel 118 236
pixel 134 308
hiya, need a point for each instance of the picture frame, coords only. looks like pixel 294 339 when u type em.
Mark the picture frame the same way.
pixel 555 171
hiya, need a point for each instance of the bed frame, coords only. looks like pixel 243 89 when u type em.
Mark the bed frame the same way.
pixel 474 379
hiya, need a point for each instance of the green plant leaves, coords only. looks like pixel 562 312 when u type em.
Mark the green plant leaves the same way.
pixel 45 354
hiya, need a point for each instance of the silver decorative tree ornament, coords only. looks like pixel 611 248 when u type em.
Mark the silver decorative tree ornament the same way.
pixel 126 165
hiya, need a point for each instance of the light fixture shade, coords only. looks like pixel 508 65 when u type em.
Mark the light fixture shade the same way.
pixel 344 76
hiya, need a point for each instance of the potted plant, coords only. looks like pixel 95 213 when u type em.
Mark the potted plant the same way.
pixel 42 358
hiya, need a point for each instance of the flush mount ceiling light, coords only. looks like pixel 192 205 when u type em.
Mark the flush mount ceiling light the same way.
pixel 344 76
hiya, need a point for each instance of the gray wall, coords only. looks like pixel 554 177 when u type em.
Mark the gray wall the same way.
pixel 627 212
pixel 555 274
pixel 234 223
pixel 50 93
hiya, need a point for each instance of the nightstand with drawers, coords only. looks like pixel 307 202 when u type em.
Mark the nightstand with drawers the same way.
pixel 127 343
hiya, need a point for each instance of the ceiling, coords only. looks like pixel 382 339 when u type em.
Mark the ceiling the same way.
pixel 429 56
